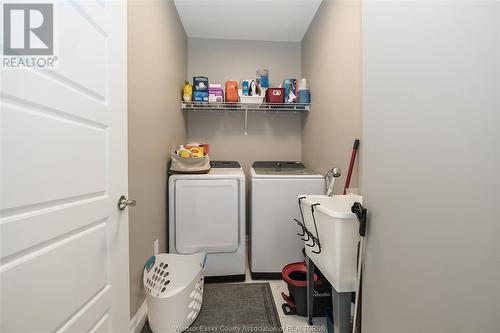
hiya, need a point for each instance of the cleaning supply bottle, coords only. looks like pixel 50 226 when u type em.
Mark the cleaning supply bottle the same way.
pixel 187 92
pixel 231 91
pixel 245 88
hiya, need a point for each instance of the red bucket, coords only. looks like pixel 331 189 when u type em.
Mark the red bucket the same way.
pixel 275 95
pixel 294 275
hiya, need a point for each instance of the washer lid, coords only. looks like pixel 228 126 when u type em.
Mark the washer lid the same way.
pixel 281 168
pixel 225 164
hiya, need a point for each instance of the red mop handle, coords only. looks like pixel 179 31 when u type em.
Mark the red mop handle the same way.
pixel 351 165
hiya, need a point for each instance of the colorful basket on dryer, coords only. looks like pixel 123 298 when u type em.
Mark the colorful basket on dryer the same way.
pixel 174 290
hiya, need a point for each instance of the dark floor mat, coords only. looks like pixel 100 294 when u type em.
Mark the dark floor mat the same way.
pixel 235 308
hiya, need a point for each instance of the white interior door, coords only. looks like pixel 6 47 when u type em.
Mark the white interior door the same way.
pixel 63 241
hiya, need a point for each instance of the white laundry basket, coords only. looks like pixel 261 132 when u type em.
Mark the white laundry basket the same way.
pixel 174 290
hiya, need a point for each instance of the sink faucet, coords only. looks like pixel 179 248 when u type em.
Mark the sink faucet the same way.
pixel 330 177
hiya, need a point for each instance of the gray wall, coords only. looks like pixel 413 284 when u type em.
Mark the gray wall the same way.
pixel 157 67
pixel 270 136
pixel 431 130
pixel 331 61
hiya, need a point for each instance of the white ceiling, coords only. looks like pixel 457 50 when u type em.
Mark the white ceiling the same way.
pixel 267 20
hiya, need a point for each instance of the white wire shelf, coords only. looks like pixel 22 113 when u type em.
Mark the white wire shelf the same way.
pixel 244 107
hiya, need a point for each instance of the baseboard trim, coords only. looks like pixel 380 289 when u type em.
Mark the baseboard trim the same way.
pixel 139 319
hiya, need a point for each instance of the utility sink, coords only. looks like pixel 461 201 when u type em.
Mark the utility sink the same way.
pixel 332 237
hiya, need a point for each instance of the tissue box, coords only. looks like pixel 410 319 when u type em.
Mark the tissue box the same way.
pixel 304 96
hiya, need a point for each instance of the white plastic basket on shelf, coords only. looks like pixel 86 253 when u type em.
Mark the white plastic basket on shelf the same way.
pixel 174 290
pixel 251 99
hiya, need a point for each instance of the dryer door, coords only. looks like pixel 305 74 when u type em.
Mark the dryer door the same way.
pixel 206 215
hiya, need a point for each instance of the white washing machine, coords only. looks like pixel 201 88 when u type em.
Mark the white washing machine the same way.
pixel 275 186
pixel 207 213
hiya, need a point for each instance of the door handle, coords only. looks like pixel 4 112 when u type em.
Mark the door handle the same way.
pixel 123 202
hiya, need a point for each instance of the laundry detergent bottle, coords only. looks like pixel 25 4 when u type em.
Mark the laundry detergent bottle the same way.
pixel 231 91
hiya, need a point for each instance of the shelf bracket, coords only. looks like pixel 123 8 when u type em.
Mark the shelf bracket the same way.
pixel 246 120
